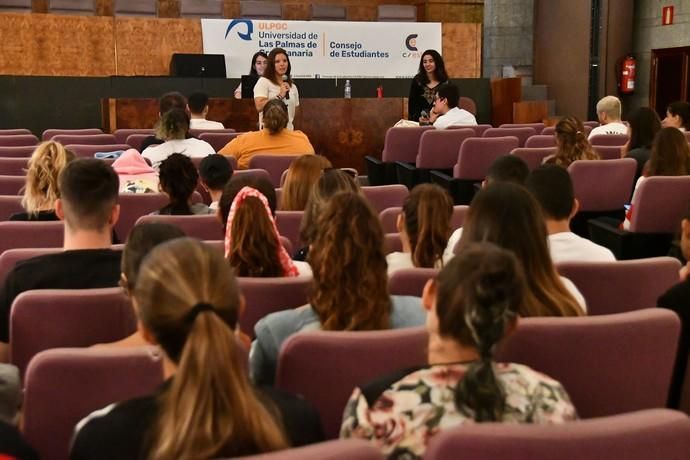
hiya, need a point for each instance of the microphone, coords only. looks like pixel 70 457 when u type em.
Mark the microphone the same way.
pixel 285 80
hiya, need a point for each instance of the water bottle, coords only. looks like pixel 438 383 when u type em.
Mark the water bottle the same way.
pixel 348 89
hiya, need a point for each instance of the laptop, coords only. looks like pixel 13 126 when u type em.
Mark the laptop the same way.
pixel 248 83
pixel 197 65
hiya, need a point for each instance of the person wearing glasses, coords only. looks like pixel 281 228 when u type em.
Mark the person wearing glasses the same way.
pixel 445 111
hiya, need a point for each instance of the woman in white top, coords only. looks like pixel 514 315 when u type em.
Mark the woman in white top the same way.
pixel 276 83
pixel 259 61
pixel 173 129
pixel 424 227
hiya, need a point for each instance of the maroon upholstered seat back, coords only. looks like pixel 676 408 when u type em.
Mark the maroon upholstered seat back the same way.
pixel 10 205
pixel 477 154
pixel 31 235
pixel 617 287
pixel 389 219
pixel 273 164
pixel 521 133
pixel 534 157
pixel 642 435
pixel 13 166
pixel 12 185
pixel 438 149
pixel 603 185
pixel 608 152
pixel 88 380
pixel 49 134
pixel 385 196
pixel 608 364
pixel 659 203
pixel 288 224
pixel 14 132
pixel 85 139
pixel 218 140
pixel 345 449
pixel 121 135
pixel 538 127
pixel 541 141
pixel 264 296
pixel 18 140
pixel 19 151
pixel 402 144
pixel 410 281
pixel 203 227
pixel 360 356
pixel 10 257
pixel 87 151
pixel 135 205
pixel 52 318
pixel 609 139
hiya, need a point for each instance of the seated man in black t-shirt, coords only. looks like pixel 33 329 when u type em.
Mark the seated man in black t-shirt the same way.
pixel 88 206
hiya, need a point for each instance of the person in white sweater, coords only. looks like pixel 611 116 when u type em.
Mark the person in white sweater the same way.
pixel 552 187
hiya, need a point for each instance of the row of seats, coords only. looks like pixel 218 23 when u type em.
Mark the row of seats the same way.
pixel 250 9
pixel 589 355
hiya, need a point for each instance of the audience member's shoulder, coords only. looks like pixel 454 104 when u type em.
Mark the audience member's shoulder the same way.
pixel 62 257
pixel 407 312
pixel 374 389
pixel 40 216
pixel 12 445
pixel 677 298
pixel 293 319
pixel 301 420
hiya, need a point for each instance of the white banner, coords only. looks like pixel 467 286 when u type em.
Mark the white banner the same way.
pixel 324 49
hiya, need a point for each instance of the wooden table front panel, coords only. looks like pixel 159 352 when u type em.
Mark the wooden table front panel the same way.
pixel 343 130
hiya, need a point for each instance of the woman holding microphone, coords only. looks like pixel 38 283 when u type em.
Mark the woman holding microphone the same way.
pixel 276 83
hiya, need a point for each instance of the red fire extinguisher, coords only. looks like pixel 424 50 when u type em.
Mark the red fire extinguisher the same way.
pixel 626 75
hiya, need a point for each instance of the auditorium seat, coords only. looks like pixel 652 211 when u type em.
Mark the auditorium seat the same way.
pixel 609 364
pixel 288 224
pixel 72 7
pixel 360 356
pixel 474 159
pixel 88 151
pixel 203 227
pixel 534 157
pixel 261 9
pixel 58 318
pixel 262 173
pixel 342 449
pixel 12 132
pixel 264 296
pixel 391 243
pixel 400 144
pixel 389 219
pixel 15 6
pixel 438 151
pixel 10 257
pixel 121 135
pixel 396 13
pixel 541 141
pixel 89 380
pixel 201 9
pixel 457 219
pixel 602 189
pixel 658 206
pixel 479 129
pixel 18 151
pixel 10 205
pixel 31 235
pixel 198 132
pixel 219 245
pixel 522 134
pixel 135 205
pixel 466 103
pixel 641 435
pixel 13 166
pixel 85 139
pixel 49 134
pixel 385 196
pixel 608 152
pixel 11 185
pixel 18 140
pixel 273 164
pixel 135 140
pixel 609 139
pixel 552 130
pixel 321 12
pixel 590 124
pixel 617 287
pixel 218 140
pixel 538 127
pixel 410 281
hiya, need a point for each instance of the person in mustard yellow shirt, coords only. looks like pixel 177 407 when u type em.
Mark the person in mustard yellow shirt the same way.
pixel 273 139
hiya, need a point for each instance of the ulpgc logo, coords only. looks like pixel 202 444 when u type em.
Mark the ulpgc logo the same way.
pixel 411 42
pixel 239 22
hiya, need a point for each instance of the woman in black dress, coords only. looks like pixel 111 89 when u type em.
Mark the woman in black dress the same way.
pixel 432 72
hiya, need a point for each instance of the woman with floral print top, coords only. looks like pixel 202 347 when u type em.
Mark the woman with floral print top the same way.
pixel 471 306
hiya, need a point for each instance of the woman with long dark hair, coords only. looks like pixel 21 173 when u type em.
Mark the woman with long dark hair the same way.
pixel 259 62
pixel 644 124
pixel 431 73
pixel 471 306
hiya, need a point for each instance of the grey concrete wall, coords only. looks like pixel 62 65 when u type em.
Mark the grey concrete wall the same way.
pixel 649 34
pixel 508 37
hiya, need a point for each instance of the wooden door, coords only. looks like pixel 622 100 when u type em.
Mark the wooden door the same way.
pixel 669 78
